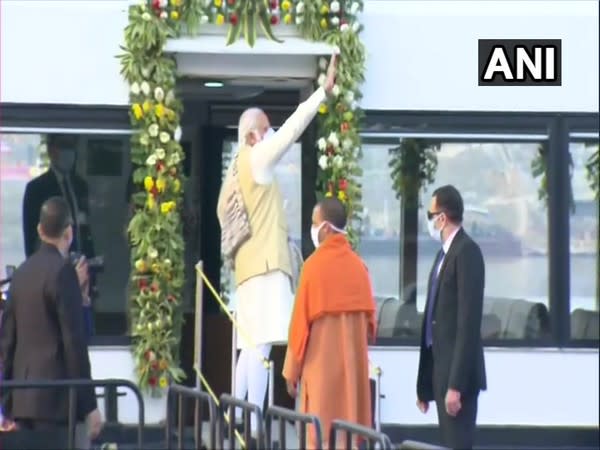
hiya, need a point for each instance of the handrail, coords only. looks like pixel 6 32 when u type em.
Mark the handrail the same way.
pixel 359 431
pixel 71 385
pixel 283 415
pixel 267 363
pixel 182 392
pixel 228 404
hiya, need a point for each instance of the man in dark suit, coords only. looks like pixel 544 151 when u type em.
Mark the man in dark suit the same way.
pixel 42 333
pixel 451 365
pixel 62 181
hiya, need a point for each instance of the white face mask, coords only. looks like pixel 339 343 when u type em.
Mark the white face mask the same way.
pixel 314 232
pixel 435 234
pixel 270 132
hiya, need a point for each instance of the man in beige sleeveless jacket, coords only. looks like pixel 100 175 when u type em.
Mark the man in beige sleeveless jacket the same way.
pixel 262 264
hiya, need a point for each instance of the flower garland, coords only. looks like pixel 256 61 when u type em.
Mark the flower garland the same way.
pixel 339 141
pixel 157 248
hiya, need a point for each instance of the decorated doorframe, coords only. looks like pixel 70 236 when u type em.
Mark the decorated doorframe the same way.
pixel 155 230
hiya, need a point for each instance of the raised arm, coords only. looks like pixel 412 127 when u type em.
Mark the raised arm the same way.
pixel 266 154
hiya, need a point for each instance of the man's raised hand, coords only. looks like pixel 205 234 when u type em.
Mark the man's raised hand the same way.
pixel 331 73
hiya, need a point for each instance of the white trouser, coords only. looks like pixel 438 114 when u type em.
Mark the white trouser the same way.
pixel 252 377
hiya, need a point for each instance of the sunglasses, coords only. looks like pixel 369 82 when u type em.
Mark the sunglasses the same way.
pixel 432 214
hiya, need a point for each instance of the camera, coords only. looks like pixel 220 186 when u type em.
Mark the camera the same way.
pixel 95 264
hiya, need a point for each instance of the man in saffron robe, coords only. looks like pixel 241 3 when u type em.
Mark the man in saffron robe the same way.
pixel 332 322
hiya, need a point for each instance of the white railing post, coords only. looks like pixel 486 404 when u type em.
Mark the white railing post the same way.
pixel 271 370
pixel 378 400
pixel 233 355
pixel 198 324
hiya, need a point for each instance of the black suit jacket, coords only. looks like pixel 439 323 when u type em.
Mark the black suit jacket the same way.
pixel 455 360
pixel 42 337
pixel 41 189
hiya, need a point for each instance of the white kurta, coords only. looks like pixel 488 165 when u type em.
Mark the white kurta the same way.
pixel 264 307
pixel 264 303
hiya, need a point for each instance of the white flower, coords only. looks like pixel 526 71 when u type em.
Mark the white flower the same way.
pixel 164 15
pixel 153 130
pixel 322 63
pixel 347 144
pixel 338 161
pixel 135 88
pixel 335 21
pixel 146 16
pixel 170 98
pixel 152 253
pixel 204 19
pixel 350 96
pixel 177 134
pixel 299 7
pixel 321 80
pixel 335 7
pixel 151 161
pixel 159 94
pixel 163 3
pixel 322 143
pixel 145 87
pixel 160 153
pixel 323 162
pixel 344 27
pixel 146 72
pixel 355 26
pixel 144 139
pixel 335 90
pixel 174 159
pixel 354 8
pixel 299 20
pixel 164 137
pixel 333 139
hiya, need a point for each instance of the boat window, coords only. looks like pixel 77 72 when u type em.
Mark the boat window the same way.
pixel 583 241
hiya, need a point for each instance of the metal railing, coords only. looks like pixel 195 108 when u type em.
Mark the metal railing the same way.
pixel 301 420
pixel 176 397
pixel 373 439
pixel 415 445
pixel 227 407
pixel 72 386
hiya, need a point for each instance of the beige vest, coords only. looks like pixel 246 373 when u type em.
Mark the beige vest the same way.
pixel 267 250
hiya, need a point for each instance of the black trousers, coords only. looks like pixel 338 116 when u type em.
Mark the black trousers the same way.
pixel 457 432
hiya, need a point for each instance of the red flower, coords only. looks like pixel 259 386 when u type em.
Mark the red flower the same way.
pixel 274 20
pixel 152 381
pixel 171 298
pixel 156 4
pixel 274 4
pixel 154 287
pixel 154 365
pixel 345 127
pixel 142 283
pixel 233 19
pixel 231 2
pixel 329 150
pixel 154 191
pixel 343 184
pixel 149 355
pixel 160 166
